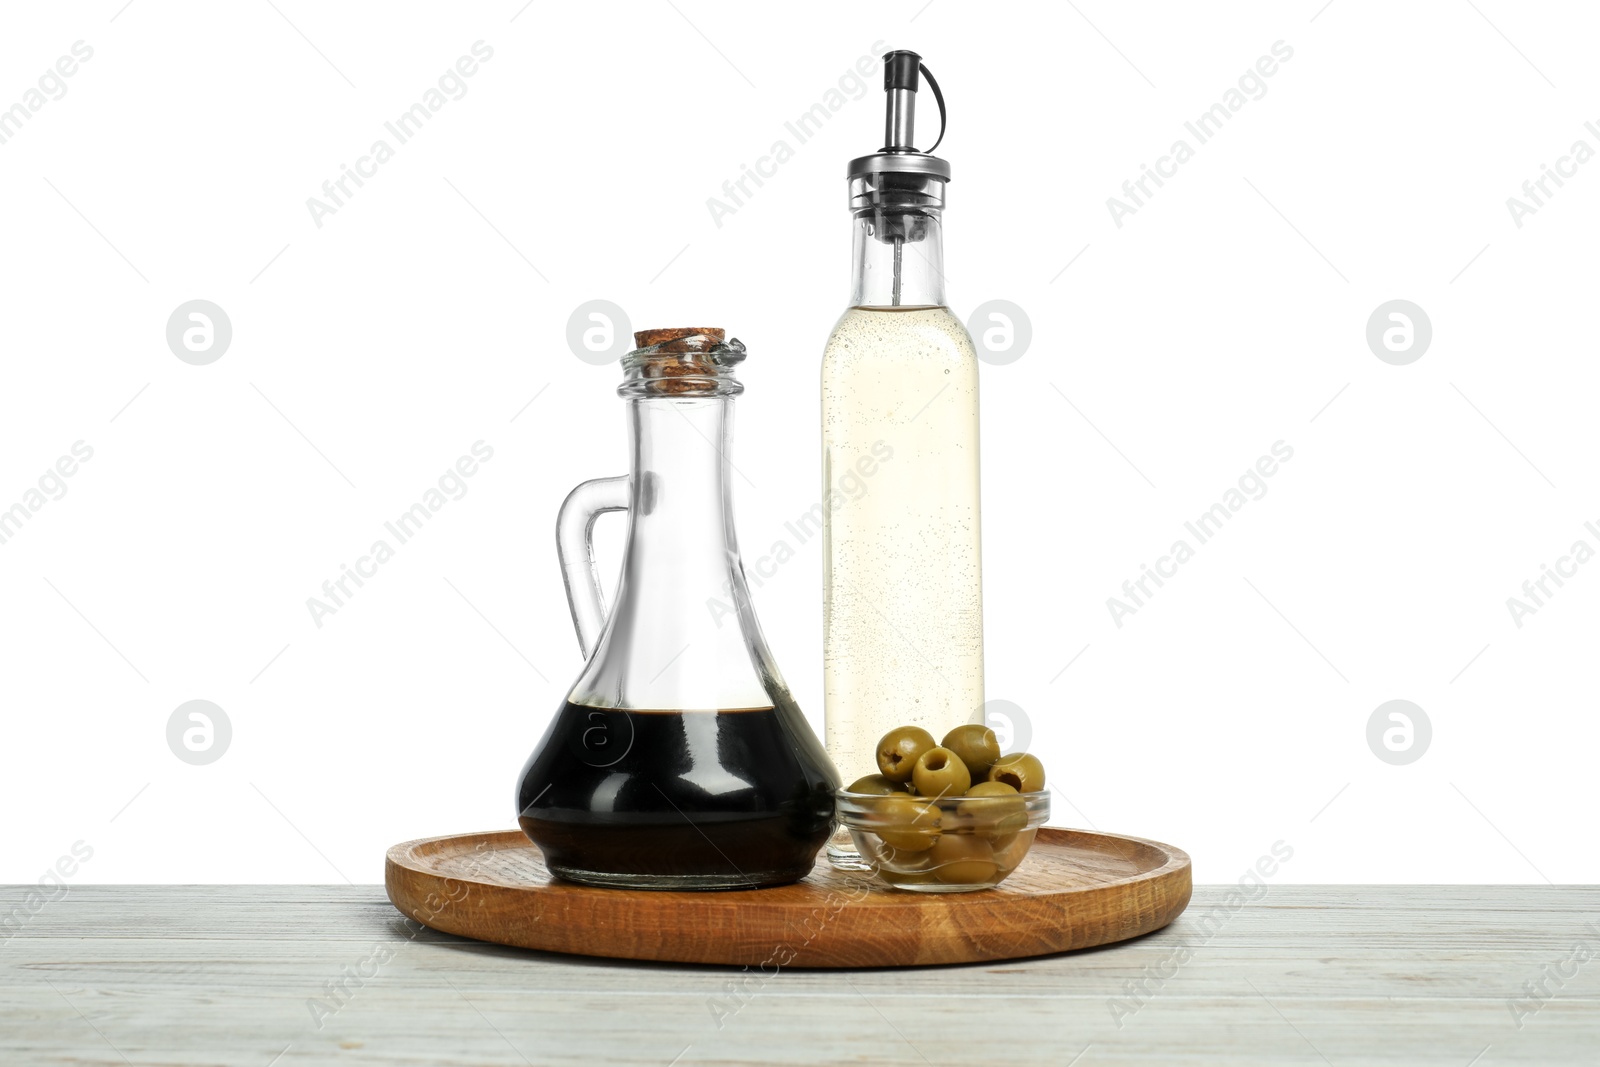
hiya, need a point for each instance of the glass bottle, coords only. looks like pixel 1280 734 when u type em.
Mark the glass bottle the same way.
pixel 903 602
pixel 678 760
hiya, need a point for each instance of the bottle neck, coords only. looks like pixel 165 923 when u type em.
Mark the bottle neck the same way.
pixel 681 507
pixel 899 259
pixel 682 633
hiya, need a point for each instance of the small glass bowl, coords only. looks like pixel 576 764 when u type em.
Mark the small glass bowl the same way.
pixel 944 844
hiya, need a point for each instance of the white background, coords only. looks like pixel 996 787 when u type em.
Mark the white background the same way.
pixel 421 317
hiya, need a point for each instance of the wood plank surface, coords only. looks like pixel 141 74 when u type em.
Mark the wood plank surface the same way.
pixel 257 975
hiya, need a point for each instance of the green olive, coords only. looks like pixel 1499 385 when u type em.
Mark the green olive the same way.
pixel 976 745
pixel 876 785
pixel 868 845
pixel 899 861
pixel 993 809
pixel 899 749
pixel 1009 850
pixel 907 824
pixel 940 773
pixel 962 859
pixel 1020 770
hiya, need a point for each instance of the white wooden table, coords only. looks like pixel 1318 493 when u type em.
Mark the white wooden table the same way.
pixel 256 975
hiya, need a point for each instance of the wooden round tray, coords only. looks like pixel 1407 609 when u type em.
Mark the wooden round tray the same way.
pixel 1076 889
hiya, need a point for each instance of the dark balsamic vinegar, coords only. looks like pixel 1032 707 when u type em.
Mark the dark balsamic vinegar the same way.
pixel 723 799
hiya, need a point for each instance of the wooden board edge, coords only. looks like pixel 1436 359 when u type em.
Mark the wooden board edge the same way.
pixel 437 898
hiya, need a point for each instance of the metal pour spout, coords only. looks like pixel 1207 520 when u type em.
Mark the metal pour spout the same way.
pixel 900 82
pixel 900 188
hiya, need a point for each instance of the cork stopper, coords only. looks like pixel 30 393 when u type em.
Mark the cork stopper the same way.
pixel 670 339
pixel 682 361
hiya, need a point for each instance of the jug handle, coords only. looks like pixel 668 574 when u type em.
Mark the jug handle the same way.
pixel 575 548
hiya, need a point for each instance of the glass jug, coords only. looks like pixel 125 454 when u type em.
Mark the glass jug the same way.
pixel 678 760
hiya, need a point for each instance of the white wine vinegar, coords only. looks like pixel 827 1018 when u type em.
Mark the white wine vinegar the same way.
pixel 902 601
